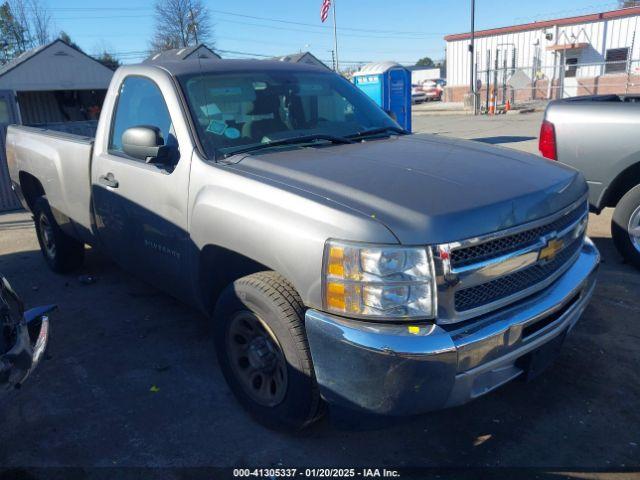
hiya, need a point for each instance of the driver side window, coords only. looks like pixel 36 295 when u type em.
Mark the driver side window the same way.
pixel 140 103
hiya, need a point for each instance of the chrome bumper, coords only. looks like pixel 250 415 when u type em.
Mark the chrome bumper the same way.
pixel 390 370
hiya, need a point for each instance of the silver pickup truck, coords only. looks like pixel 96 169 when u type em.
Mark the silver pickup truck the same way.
pixel 598 135
pixel 341 258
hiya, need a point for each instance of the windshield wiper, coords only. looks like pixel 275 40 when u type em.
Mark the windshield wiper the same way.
pixel 288 141
pixel 377 131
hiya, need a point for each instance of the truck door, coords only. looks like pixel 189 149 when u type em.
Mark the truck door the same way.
pixel 141 208
pixel 8 115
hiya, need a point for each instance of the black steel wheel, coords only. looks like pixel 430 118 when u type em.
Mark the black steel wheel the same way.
pixel 61 252
pixel 263 351
pixel 256 359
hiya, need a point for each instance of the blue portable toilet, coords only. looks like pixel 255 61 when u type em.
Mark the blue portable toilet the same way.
pixel 389 85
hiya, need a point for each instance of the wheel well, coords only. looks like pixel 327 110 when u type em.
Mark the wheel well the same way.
pixel 219 267
pixel 31 188
pixel 624 182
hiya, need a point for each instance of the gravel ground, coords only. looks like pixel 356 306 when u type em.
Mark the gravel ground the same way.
pixel 91 402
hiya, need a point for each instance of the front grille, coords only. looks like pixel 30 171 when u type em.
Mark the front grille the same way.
pixel 511 243
pixel 503 287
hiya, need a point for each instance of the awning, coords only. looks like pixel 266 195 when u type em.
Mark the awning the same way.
pixel 563 47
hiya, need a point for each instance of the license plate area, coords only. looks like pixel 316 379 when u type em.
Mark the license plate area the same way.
pixel 536 361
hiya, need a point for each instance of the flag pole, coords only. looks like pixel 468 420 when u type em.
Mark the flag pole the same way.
pixel 335 36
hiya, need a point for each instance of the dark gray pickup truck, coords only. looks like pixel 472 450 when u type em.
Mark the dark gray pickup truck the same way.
pixel 341 259
pixel 600 136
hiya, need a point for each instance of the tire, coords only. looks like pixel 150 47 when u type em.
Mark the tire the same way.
pixel 62 253
pixel 626 219
pixel 268 299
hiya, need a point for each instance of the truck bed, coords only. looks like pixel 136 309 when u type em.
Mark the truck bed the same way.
pixel 84 129
pixel 60 161
pixel 597 135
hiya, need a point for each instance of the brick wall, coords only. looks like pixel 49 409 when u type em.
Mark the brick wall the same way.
pixel 601 85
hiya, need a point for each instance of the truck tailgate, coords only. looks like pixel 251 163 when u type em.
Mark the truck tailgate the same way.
pixel 61 162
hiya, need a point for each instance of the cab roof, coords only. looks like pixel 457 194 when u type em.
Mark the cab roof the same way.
pixel 183 68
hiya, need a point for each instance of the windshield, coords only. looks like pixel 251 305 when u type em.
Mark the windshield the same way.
pixel 258 108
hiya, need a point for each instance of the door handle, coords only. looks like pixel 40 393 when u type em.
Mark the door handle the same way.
pixel 109 180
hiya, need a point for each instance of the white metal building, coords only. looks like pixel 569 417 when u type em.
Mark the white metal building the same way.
pixel 419 75
pixel 592 50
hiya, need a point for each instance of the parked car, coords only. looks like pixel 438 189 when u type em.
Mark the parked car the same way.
pixel 23 337
pixel 432 90
pixel 441 82
pixel 598 135
pixel 341 258
pixel 417 94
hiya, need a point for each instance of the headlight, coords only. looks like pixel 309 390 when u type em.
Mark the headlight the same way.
pixel 378 282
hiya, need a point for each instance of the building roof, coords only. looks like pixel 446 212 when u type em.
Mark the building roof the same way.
pixel 300 57
pixel 292 57
pixel 23 57
pixel 623 12
pixel 196 51
pixel 54 66
pixel 29 54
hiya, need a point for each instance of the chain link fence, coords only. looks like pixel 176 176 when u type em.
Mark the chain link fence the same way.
pixel 499 85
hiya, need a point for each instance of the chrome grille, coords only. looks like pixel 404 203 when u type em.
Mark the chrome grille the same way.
pixel 482 274
pixel 504 245
pixel 508 285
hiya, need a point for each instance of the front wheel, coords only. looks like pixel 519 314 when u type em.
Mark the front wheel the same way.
pixel 263 352
pixel 625 226
pixel 62 253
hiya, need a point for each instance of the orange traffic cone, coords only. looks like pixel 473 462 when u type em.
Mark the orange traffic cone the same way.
pixel 507 107
pixel 492 104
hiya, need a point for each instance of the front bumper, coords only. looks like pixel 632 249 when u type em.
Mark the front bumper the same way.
pixel 385 369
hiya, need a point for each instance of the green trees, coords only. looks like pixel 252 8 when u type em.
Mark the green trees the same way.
pixel 24 24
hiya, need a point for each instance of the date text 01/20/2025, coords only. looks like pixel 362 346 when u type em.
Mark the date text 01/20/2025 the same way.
pixel 316 472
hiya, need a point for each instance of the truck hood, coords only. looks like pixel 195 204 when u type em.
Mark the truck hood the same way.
pixel 426 188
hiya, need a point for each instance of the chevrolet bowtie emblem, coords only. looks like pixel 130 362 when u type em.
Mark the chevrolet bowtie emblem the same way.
pixel 552 249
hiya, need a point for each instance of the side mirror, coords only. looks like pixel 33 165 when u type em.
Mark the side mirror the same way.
pixel 146 143
pixel 392 114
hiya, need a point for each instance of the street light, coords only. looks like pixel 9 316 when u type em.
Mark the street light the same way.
pixel 472 82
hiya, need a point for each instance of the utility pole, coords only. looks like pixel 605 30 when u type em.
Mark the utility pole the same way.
pixel 193 23
pixel 335 36
pixel 472 83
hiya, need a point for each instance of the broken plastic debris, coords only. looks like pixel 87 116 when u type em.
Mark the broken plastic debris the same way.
pixel 154 389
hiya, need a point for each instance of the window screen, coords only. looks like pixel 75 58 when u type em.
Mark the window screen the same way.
pixel 140 103
pixel 616 59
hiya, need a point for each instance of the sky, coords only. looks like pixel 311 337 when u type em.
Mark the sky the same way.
pixel 368 30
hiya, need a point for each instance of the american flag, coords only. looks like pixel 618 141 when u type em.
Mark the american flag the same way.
pixel 324 10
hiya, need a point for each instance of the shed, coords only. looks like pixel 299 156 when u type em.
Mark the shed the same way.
pixel 301 57
pixel 389 85
pixel 55 85
pixel 196 52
